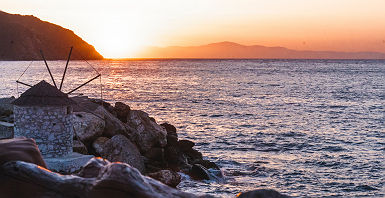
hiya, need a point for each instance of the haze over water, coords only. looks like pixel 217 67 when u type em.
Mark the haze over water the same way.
pixel 303 127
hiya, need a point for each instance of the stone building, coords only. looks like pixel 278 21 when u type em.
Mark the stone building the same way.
pixel 6 130
pixel 44 114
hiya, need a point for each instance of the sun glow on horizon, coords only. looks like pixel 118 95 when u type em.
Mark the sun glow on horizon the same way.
pixel 116 41
pixel 122 28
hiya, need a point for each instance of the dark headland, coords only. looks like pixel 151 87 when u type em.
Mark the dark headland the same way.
pixel 22 37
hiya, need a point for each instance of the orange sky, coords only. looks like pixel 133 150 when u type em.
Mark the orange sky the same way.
pixel 119 28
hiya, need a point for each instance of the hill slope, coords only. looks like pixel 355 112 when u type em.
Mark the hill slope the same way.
pixel 235 50
pixel 22 37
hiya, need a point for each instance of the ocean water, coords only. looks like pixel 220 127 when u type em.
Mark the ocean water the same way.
pixel 307 128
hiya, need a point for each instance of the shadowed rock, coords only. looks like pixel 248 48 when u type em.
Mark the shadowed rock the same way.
pixel 20 149
pixel 262 193
pixel 148 133
pixel 87 126
pixel 93 167
pixel 98 144
pixel 122 110
pixel 113 125
pixel 171 130
pixel 199 172
pixel 121 149
pixel 79 147
pixel 167 177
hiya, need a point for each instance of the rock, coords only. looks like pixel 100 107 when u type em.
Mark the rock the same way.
pixel 148 133
pixel 87 126
pixel 20 149
pixel 121 149
pixel 262 193
pixel 171 130
pixel 84 104
pixel 185 144
pixel 174 157
pixel 155 153
pixel 105 104
pixel 113 125
pixel 172 136
pixel 98 144
pixel 79 147
pixel 122 110
pixel 207 164
pixel 193 155
pixel 93 167
pixel 199 172
pixel 167 177
pixel 120 180
pixel 172 140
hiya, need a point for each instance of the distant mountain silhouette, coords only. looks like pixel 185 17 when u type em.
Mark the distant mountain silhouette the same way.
pixel 22 37
pixel 234 50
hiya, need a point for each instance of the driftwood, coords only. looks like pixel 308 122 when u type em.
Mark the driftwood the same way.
pixel 46 183
pixel 105 179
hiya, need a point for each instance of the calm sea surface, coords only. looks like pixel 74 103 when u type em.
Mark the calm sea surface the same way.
pixel 303 127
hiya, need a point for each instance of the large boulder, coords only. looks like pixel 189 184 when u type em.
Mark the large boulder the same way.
pixel 119 180
pixel 121 149
pixel 185 145
pixel 171 130
pixel 148 133
pixel 93 167
pixel 122 110
pixel 20 149
pixel 83 103
pixel 262 193
pixel 113 125
pixel 167 177
pixel 103 179
pixel 79 147
pixel 87 126
pixel 172 136
pixel 199 172
pixel 98 144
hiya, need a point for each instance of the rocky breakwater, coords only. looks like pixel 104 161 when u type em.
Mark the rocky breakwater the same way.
pixel 23 174
pixel 132 139
pixel 119 134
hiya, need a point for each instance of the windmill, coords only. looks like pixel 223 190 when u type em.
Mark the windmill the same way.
pixel 63 76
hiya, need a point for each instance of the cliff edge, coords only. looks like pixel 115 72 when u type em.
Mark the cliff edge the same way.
pixel 22 37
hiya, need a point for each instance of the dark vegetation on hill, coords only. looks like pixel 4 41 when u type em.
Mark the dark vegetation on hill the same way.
pixel 22 37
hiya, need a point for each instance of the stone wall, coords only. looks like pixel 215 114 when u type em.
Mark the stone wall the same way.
pixel 50 126
pixel 6 130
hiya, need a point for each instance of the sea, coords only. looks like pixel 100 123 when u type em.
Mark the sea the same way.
pixel 306 128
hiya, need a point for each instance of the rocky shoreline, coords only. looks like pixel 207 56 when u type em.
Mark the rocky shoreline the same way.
pixel 127 144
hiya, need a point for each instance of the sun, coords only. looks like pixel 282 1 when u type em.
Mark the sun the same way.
pixel 119 41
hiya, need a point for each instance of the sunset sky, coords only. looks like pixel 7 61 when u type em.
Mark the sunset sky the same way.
pixel 119 28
